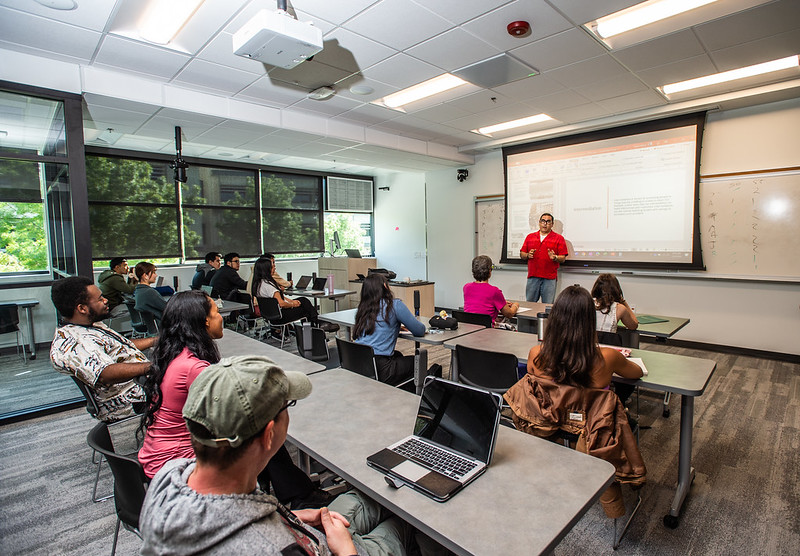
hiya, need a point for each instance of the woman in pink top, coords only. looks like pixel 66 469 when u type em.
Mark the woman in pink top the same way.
pixel 481 297
pixel 189 325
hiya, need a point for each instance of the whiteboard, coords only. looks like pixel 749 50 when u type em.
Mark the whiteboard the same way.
pixel 750 224
pixel 490 216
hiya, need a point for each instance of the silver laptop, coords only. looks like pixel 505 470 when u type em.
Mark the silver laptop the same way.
pixel 160 281
pixel 319 285
pixel 452 443
pixel 301 284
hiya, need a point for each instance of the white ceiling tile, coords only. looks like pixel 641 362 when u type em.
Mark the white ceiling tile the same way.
pixel 491 27
pixel 634 101
pixel 491 117
pixel 558 101
pixel 332 107
pixel 530 87
pixel 89 14
pixel 335 12
pixel 559 50
pixel 351 52
pixel 587 72
pixel 660 51
pixel 398 23
pixel 774 47
pixel 452 50
pixel 481 101
pixel 368 114
pixel 220 51
pixel 459 11
pixel 402 71
pixel 278 94
pixel 119 103
pixel 441 113
pixel 379 90
pixel 580 113
pixel 609 88
pixel 750 25
pixel 120 53
pixel 215 77
pixel 309 75
pixel 230 133
pixel 125 121
pixel 16 27
pixel 678 71
pixel 582 12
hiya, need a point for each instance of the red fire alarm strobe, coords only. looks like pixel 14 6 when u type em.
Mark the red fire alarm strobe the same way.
pixel 518 28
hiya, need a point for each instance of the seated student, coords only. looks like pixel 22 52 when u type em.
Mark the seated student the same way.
pixel 569 354
pixel 226 280
pixel 114 282
pixel 377 324
pixel 481 297
pixel 264 285
pixel 205 271
pixel 237 414
pixel 611 306
pixel 147 298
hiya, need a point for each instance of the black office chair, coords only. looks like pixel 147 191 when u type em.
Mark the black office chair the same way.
pixel 138 325
pixel 311 342
pixel 473 318
pixel 246 319
pixel 150 322
pixel 271 312
pixel 496 372
pixel 129 481
pixel 358 358
pixel 9 322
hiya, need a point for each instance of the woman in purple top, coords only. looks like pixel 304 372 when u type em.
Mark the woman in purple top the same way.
pixel 481 297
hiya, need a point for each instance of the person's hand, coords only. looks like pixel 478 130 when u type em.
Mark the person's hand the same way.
pixel 552 254
pixel 296 303
pixel 339 540
pixel 314 517
pixel 531 253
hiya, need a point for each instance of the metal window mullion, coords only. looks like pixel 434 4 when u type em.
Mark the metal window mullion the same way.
pixel 259 212
pixel 179 201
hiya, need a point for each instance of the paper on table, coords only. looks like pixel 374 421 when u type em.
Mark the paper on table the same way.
pixel 523 309
pixel 638 361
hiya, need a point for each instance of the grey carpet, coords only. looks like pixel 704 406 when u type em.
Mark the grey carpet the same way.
pixel 744 500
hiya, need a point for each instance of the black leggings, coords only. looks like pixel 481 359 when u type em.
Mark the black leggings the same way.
pixel 306 310
pixel 394 369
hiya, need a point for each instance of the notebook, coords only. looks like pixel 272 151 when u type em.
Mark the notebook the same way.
pixel 452 442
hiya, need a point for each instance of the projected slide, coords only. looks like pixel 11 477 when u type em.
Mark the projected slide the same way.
pixel 625 199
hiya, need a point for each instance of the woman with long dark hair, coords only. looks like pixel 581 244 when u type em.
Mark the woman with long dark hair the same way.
pixel 569 353
pixel 611 306
pixel 378 321
pixel 185 347
pixel 264 285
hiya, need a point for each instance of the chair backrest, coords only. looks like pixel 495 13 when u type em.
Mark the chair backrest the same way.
pixel 245 299
pixel 129 477
pixel 610 338
pixel 91 404
pixel 137 322
pixel 311 342
pixel 473 318
pixel 358 358
pixel 490 370
pixel 9 318
pixel 149 320
pixel 269 308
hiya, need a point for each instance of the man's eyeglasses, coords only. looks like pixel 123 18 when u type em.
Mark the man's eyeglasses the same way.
pixel 545 221
pixel 289 404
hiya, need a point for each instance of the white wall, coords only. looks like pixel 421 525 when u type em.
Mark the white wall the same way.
pixel 756 315
pixel 400 230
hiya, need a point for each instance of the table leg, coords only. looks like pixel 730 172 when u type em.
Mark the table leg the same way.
pixel 31 338
pixel 335 303
pixel 453 366
pixel 685 469
pixel 420 367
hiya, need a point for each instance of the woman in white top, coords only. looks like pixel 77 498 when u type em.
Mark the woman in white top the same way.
pixel 611 306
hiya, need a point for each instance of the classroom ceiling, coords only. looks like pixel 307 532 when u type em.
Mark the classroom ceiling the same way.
pixel 232 108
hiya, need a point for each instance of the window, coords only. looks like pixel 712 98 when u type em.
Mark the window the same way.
pixel 291 211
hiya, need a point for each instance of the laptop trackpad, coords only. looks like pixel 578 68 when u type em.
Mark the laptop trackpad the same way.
pixel 410 470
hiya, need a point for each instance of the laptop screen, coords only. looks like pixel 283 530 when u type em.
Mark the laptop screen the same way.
pixel 460 418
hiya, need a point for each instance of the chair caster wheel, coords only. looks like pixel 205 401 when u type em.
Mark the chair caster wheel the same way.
pixel 670 521
pixel 665 413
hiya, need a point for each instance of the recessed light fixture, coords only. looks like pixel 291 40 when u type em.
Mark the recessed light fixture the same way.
pixel 434 86
pixel 58 4
pixel 163 19
pixel 644 14
pixel 488 130
pixel 732 75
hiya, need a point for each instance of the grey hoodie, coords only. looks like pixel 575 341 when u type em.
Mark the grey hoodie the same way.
pixel 177 520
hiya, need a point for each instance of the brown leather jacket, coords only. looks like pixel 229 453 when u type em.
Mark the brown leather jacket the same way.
pixel 541 407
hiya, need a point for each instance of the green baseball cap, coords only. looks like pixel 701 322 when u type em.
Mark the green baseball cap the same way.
pixel 235 398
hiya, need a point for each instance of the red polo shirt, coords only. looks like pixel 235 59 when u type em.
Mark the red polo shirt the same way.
pixel 540 266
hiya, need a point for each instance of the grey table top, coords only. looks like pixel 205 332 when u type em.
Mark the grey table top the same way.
pixel 230 306
pixel 321 294
pixel 532 494
pixel 346 317
pixel 232 343
pixel 667 372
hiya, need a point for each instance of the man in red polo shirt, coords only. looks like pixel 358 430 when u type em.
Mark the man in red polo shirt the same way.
pixel 544 250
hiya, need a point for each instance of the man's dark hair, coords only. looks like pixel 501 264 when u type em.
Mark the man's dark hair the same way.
pixel 211 255
pixel 553 218
pixel 115 262
pixel 220 457
pixel 230 256
pixel 68 293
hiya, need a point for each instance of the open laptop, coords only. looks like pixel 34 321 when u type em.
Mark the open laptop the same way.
pixel 353 253
pixel 452 442
pixel 301 284
pixel 160 281
pixel 319 285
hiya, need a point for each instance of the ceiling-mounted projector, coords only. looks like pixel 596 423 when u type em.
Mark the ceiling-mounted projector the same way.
pixel 278 39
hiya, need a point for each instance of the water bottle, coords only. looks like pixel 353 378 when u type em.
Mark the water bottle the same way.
pixel 329 284
pixel 541 324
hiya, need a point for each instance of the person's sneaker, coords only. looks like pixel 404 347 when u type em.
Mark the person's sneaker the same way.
pixel 328 326
pixel 317 498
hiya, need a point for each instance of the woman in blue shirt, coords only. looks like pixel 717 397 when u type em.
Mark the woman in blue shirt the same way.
pixel 378 321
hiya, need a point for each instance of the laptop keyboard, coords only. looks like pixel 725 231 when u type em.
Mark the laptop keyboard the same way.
pixel 440 460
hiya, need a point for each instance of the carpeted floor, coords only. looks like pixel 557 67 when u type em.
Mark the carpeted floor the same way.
pixel 744 499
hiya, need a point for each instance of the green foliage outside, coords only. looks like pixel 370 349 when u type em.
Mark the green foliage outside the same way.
pixel 286 231
pixel 351 235
pixel 23 245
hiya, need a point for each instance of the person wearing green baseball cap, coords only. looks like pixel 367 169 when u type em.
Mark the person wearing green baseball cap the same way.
pixel 237 413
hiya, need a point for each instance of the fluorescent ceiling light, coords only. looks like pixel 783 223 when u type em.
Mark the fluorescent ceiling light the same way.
pixel 538 118
pixel 163 19
pixel 644 14
pixel 749 71
pixel 444 82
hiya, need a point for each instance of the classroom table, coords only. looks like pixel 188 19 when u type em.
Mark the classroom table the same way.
pixel 318 294
pixel 28 305
pixel 232 343
pixel 507 510
pixel 527 321
pixel 347 318
pixel 230 306
pixel 678 374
